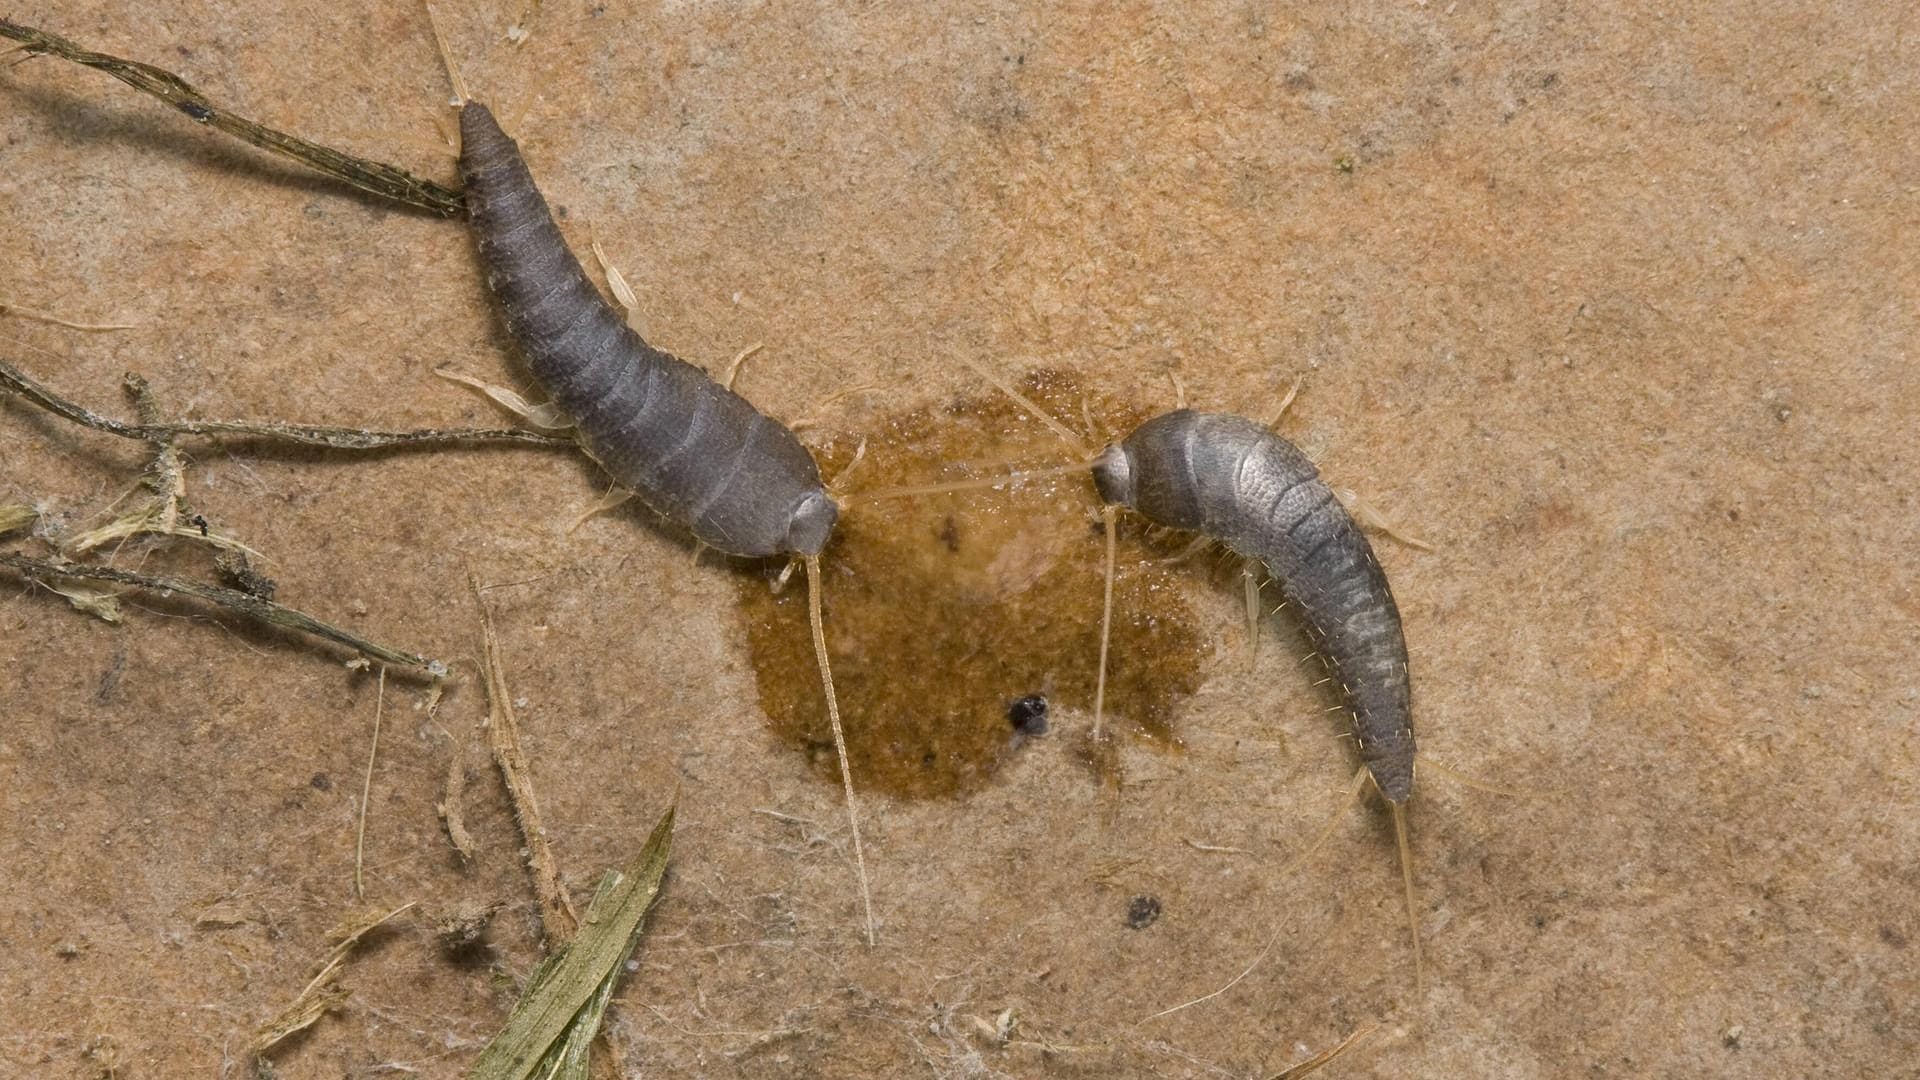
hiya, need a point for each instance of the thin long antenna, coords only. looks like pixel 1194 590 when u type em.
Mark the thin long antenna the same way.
pixel 1107 515
pixel 839 739
pixel 1406 874
pixel 1066 433
pixel 1007 480
pixel 446 57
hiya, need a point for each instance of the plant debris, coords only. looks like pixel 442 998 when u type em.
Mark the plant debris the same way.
pixel 554 1023
pixel 378 178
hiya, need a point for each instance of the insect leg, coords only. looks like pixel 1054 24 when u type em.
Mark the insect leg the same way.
pixel 545 415
pixel 623 292
pixel 733 369
pixel 1194 547
pixel 1372 517
pixel 614 497
pixel 1292 392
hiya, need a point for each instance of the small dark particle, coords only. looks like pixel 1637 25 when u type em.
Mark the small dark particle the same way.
pixel 196 110
pixel 200 523
pixel 1029 715
pixel 1893 937
pixel 949 534
pixel 1142 911
pixel 320 782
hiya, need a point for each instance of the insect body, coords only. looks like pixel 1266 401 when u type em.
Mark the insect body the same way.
pixel 699 454
pixel 696 452
pixel 1231 479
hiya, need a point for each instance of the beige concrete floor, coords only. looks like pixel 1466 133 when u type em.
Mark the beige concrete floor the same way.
pixel 1618 308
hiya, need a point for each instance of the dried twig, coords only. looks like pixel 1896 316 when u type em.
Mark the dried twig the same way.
pixel 254 607
pixel 503 733
pixel 338 438
pixel 378 178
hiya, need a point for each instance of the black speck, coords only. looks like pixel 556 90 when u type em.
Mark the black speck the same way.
pixel 1893 937
pixel 560 212
pixel 320 782
pixel 1733 513
pixel 1550 80
pixel 928 759
pixel 1539 922
pixel 949 534
pixel 196 110
pixel 1143 911
pixel 1029 715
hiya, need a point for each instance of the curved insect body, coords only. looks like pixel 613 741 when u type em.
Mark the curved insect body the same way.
pixel 696 452
pixel 699 454
pixel 1231 479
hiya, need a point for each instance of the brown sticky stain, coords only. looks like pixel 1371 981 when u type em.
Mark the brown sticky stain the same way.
pixel 943 609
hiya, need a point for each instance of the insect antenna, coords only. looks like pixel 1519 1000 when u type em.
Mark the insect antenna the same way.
pixel 1108 514
pixel 460 97
pixel 839 738
pixel 1065 433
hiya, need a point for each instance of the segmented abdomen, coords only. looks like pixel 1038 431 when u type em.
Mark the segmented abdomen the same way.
pixel 1232 479
pixel 699 454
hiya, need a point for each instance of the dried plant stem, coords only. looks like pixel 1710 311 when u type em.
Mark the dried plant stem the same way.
pixel 247 604
pixel 503 733
pixel 338 438
pixel 378 178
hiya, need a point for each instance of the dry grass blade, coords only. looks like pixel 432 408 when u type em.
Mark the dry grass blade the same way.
pixel 320 994
pixel 376 177
pixel 558 1013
